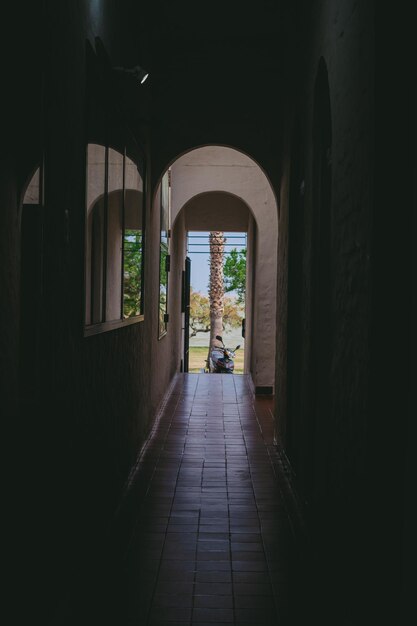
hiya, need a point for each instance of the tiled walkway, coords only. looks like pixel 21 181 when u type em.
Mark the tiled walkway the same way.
pixel 203 535
pixel 212 542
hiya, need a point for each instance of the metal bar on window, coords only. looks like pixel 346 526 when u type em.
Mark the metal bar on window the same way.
pixel 122 272
pixel 105 227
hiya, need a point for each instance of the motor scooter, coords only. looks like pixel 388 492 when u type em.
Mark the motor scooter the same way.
pixel 221 358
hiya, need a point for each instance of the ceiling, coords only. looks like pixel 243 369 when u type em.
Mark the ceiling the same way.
pixel 215 73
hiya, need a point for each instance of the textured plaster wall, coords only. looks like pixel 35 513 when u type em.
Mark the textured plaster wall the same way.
pixel 178 252
pixel 166 351
pixel 341 36
pixel 250 275
pixel 349 51
pixel 393 338
pixel 281 372
pixel 79 435
pixel 216 168
pixel 340 459
pixel 216 211
pixel 9 284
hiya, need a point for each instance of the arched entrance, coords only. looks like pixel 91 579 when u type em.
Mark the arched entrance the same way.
pixel 216 187
pixel 222 211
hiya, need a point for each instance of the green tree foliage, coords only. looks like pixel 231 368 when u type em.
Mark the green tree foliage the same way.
pixel 163 286
pixel 235 273
pixel 132 273
pixel 200 313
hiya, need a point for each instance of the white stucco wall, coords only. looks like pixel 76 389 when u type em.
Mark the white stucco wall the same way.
pixel 217 168
pixel 216 210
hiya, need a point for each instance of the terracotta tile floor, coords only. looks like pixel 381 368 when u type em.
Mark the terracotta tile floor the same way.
pixel 212 542
pixel 203 535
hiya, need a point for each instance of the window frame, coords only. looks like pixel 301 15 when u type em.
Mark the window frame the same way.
pixel 163 328
pixel 94 328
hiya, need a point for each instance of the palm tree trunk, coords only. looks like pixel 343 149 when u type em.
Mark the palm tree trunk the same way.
pixel 216 287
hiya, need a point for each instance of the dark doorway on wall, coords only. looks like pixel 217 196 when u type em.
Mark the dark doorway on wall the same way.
pixel 321 326
pixel 294 432
pixel 31 247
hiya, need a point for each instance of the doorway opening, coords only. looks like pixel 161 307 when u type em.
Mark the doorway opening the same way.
pixel 233 271
pixel 213 189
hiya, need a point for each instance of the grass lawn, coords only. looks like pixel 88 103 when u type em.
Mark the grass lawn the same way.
pixel 198 355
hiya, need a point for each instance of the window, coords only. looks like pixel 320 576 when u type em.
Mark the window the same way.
pixel 164 257
pixel 133 242
pixel 114 236
pixel 115 210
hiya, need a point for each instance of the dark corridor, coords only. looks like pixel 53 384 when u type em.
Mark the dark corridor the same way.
pixel 211 504
pixel 206 533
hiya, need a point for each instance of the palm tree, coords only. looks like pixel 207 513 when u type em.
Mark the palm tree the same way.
pixel 216 286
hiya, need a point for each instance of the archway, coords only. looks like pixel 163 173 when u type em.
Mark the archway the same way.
pixel 241 183
pixel 222 211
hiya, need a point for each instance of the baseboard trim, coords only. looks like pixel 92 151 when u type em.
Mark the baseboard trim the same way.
pixel 260 390
pixel 264 390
